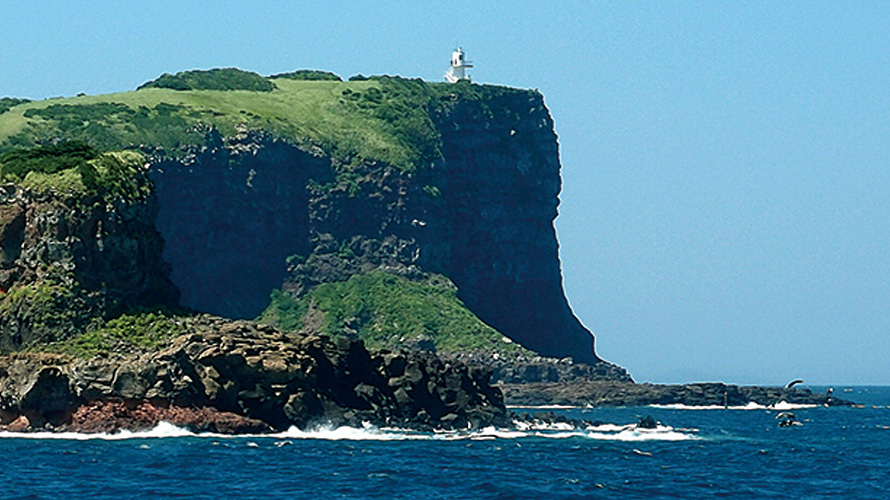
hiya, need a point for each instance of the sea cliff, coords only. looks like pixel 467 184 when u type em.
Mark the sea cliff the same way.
pixel 398 222
pixel 234 252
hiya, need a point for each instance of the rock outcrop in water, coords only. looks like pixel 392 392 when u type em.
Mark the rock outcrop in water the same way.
pixel 615 393
pixel 237 376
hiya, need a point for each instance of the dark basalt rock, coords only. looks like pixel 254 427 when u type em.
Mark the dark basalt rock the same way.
pixel 525 369
pixel 233 376
pixel 242 215
pixel 500 193
pixel 68 260
pixel 610 393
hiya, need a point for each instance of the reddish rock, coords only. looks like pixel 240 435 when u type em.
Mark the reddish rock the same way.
pixel 113 416
pixel 19 424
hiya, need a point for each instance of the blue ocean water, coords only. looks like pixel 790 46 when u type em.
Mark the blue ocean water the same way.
pixel 696 453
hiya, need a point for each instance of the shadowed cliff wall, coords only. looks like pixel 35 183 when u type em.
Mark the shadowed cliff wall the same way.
pixel 248 214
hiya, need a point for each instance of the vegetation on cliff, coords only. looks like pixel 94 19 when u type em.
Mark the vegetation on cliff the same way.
pixel 75 167
pixel 49 305
pixel 382 118
pixel 6 103
pixel 136 331
pixel 78 244
pixel 388 311
pixel 214 79
pixel 309 74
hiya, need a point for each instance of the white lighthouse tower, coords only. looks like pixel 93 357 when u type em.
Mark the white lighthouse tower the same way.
pixel 459 65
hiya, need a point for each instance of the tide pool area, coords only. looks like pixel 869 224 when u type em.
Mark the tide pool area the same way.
pixel 691 453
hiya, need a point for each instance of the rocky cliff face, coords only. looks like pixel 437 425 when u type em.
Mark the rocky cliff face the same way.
pixel 500 190
pixel 231 214
pixel 246 214
pixel 66 261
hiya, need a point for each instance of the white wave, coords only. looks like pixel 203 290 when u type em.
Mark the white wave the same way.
pixel 610 427
pixel 522 430
pixel 539 425
pixel 162 430
pixel 544 407
pixel 343 433
pixel 781 405
pixel 558 430
pixel 635 435
pixel 494 432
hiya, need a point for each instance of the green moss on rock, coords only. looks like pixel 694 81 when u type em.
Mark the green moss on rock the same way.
pixel 137 331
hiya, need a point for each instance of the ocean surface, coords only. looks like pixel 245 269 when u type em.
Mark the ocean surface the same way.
pixel 694 453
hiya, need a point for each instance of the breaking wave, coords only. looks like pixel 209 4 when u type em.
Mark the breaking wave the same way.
pixel 521 430
pixel 162 430
pixel 781 406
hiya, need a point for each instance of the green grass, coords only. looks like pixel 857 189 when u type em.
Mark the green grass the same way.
pixel 385 119
pixel 389 311
pixel 75 167
pixel 134 332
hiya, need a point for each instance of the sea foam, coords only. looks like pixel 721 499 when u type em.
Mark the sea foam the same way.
pixel 162 430
pixel 521 430
pixel 781 406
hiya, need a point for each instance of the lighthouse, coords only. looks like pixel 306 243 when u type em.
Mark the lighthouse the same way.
pixel 459 65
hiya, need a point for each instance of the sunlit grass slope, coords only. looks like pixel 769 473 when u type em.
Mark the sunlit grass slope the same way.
pixel 380 118
pixel 388 311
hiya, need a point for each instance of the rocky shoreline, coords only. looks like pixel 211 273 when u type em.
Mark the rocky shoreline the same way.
pixel 236 377
pixel 617 394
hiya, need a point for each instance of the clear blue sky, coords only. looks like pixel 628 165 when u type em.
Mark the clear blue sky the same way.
pixel 725 205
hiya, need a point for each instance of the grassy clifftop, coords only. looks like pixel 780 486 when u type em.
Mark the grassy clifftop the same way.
pixel 379 118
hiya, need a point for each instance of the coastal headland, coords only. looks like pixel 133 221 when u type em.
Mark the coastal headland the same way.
pixel 240 253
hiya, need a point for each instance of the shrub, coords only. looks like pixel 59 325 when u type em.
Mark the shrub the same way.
pixel 214 79
pixel 16 164
pixel 136 331
pixel 7 103
pixel 309 74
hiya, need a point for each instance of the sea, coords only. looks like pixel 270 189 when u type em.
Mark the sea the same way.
pixel 694 452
